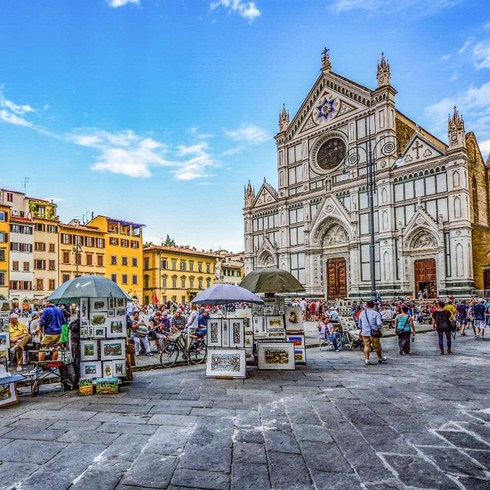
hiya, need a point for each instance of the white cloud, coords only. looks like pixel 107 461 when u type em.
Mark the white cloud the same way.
pixel 13 113
pixel 11 118
pixel 248 134
pixel 124 152
pixel 421 7
pixel 121 3
pixel 486 25
pixel 481 52
pixel 195 167
pixel 245 9
pixel 466 45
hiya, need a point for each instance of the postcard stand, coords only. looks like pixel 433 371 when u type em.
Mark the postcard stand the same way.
pixel 103 334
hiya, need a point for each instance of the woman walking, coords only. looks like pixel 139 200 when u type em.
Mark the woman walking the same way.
pixel 441 321
pixel 404 327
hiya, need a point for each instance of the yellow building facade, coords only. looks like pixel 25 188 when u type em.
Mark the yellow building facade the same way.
pixel 82 251
pixel 176 273
pixel 4 250
pixel 45 251
pixel 124 253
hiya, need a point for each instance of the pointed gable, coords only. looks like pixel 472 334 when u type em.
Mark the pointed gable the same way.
pixel 417 149
pixel 266 195
pixel 422 231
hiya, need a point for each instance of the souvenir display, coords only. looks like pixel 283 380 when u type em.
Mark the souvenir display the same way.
pixel 237 332
pixel 107 386
pixel 229 363
pixel 294 319
pixel 85 387
pixel 112 349
pixel 214 334
pixel 8 395
pixel 89 350
pixel 278 355
pixel 91 369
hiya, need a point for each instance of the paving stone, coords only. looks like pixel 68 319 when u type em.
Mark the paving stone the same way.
pixel 86 437
pixel 247 452
pixel 115 408
pixel 243 478
pixel 126 447
pixel 11 474
pixel 101 475
pixel 323 457
pixel 336 481
pixel 74 415
pixel 174 410
pixel 249 435
pixel 454 462
pixel 208 480
pixel 25 451
pixel 178 420
pixel 206 458
pixel 168 440
pixel 30 424
pixel 288 471
pixel 213 431
pixel 311 432
pixel 86 425
pixel 281 441
pixel 34 435
pixel 474 483
pixel 462 440
pixel 418 472
pixel 64 468
pixel 126 428
pixel 124 418
pixel 483 457
pixel 150 471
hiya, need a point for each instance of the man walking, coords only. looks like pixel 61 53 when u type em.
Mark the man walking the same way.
pixel 370 323
pixel 51 320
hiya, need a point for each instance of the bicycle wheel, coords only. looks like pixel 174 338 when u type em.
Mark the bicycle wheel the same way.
pixel 198 352
pixel 169 355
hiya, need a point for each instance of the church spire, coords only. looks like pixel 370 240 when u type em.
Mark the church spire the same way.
pixel 249 194
pixel 326 62
pixel 283 119
pixel 384 74
pixel 455 129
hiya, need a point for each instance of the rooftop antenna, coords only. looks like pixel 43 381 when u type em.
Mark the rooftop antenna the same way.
pixel 26 179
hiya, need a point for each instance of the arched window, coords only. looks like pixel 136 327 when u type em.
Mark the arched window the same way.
pixel 457 207
pixel 386 266
pixel 385 220
pixel 384 195
pixel 164 281
pixel 182 281
pixel 456 179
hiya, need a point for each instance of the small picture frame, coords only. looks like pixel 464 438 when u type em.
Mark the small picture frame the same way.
pixel 297 340
pixel 116 327
pixel 278 355
pixel 83 309
pixel 98 319
pixel 121 303
pixel 97 305
pixel 225 333
pixel 8 395
pixel 112 349
pixel 300 356
pixel 274 323
pixel 120 312
pixel 5 307
pixel 107 369
pixel 89 350
pixel 294 318
pixel 268 310
pixel 258 325
pixel 91 369
pixel 249 355
pixel 111 303
pixel 229 363
pixel 4 340
pixel 111 313
pixel 98 332
pixel 119 368
pixel 214 337
pixel 237 332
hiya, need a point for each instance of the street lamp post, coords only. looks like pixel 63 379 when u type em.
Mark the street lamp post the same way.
pixel 386 148
pixel 77 250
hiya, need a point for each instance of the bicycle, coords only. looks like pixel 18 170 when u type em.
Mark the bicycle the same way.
pixel 194 351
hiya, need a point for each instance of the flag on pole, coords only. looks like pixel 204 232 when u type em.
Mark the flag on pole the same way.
pixel 155 298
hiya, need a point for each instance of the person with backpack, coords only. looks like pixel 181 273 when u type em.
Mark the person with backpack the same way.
pixel 404 327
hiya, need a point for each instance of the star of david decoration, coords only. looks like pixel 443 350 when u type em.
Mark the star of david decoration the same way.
pixel 325 108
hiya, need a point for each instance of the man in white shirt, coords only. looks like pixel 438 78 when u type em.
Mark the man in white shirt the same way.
pixel 370 322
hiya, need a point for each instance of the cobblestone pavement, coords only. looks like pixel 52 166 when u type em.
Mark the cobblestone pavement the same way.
pixel 418 421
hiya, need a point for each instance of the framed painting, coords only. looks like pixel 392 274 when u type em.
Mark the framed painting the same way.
pixel 214 332
pixel 225 333
pixel 121 303
pixel 98 305
pixel 297 340
pixel 247 326
pixel 107 369
pixel 300 356
pixel 112 349
pixel 84 332
pixel 83 309
pixel 258 325
pixel 249 355
pixel 249 340
pixel 237 332
pixel 89 350
pixel 268 310
pixel 98 319
pixel 119 368
pixel 5 307
pixel 8 395
pixel 120 312
pixel 227 363
pixel 294 318
pixel 91 369
pixel 98 332
pixel 4 341
pixel 111 313
pixel 111 303
pixel 116 327
pixel 274 323
pixel 278 355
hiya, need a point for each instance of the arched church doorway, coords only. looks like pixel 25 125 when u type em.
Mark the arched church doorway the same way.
pixel 336 278
pixel 425 278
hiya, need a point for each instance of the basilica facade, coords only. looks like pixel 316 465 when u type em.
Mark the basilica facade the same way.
pixel 349 161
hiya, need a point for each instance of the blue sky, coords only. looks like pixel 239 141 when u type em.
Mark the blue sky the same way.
pixel 160 111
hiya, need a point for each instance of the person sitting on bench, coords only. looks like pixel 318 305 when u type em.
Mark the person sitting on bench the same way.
pixel 19 336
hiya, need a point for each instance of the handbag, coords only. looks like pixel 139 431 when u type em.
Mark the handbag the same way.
pixel 375 332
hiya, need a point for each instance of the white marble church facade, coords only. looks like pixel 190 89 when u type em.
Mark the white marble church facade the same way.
pixel 429 196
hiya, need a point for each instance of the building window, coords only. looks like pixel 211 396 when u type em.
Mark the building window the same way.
pixel 39 284
pixel 113 260
pixel 125 261
pixel 89 259
pixel 182 281
pixel 114 278
pixel 124 279
pixel 15 265
pixel 52 248
pixel 365 262
pixel 174 282
pixel 65 239
pixel 447 248
pixel 135 279
pixel 146 264
pixel 298 267
pixel 164 281
pixel 135 262
pixel 52 265
pixel 146 281
pixel 3 279
pixel 100 243
pixel 199 267
pixel 10 197
pixel 52 284
pixel 174 264
pixel 164 264
pixel 100 260
pixel 191 265
pixel 124 243
pixel 40 265
pixel 208 268
pixel 3 237
pixel 2 254
pixel 208 282
pixel 39 247
pixel 66 257
pixel 296 216
pixel 52 229
pixel 191 282
pixel 89 241
pixel 26 267
pixel 199 282
pixel 183 265
pixel 40 227
pixel 66 277
pixel 3 216
pixel 296 235
pixel 113 240
pixel 135 244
